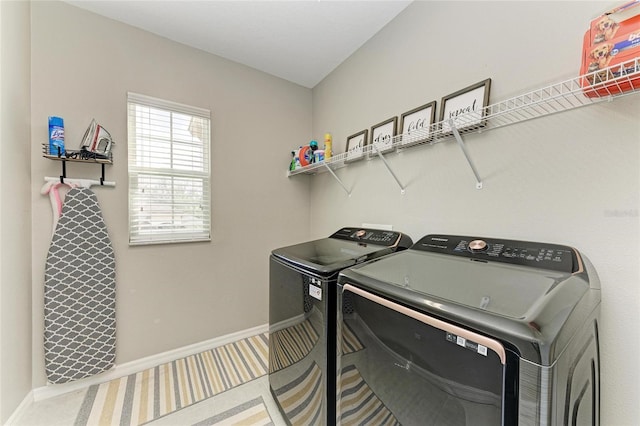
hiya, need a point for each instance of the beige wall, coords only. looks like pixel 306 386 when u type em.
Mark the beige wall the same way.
pixel 15 208
pixel 170 296
pixel 571 178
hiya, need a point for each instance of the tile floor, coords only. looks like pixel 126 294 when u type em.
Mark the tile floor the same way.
pixel 62 410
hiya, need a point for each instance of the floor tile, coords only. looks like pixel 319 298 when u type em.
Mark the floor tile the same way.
pixel 57 411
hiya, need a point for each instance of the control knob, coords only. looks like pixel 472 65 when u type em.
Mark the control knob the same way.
pixel 477 246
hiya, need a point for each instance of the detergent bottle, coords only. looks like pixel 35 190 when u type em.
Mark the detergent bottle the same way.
pixel 327 146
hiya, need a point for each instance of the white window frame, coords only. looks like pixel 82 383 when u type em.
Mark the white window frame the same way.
pixel 169 171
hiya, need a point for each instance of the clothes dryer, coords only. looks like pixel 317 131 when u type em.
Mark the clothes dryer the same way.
pixel 302 317
pixel 471 331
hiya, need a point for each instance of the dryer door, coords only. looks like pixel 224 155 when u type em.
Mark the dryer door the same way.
pixel 398 364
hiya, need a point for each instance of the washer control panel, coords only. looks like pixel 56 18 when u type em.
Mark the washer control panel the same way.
pixel 371 236
pixel 531 254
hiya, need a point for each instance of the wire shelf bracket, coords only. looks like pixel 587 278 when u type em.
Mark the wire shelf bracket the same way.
pixel 386 163
pixel 337 178
pixel 462 146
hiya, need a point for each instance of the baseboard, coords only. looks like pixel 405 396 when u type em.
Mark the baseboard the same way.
pixel 51 390
pixel 289 322
pixel 15 417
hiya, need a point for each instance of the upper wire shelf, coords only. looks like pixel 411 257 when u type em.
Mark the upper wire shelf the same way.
pixel 598 86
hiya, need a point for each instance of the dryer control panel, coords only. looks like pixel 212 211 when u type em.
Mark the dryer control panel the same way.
pixel 369 236
pixel 525 253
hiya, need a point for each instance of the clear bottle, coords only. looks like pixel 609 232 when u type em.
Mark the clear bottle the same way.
pixel 297 158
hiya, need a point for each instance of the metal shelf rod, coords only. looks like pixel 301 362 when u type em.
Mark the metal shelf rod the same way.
pixel 384 160
pixel 337 178
pixel 456 134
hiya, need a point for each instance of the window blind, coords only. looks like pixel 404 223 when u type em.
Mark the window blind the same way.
pixel 169 177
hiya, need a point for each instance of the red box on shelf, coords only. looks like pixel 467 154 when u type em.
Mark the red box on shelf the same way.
pixel 611 52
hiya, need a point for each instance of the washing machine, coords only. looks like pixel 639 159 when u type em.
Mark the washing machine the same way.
pixel 302 317
pixel 462 330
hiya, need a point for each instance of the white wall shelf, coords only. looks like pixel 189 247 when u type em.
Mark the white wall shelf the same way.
pixel 599 86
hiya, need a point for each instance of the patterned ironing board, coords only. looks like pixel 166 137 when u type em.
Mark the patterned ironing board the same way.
pixel 79 293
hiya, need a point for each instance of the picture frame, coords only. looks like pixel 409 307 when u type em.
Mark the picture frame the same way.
pixel 382 135
pixel 415 125
pixel 355 146
pixel 466 107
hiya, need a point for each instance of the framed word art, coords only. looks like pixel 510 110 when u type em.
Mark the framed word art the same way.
pixel 355 146
pixel 465 107
pixel 382 135
pixel 415 125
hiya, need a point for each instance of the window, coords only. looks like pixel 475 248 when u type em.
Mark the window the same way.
pixel 169 178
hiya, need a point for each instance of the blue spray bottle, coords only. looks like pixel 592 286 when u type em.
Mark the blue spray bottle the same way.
pixel 56 136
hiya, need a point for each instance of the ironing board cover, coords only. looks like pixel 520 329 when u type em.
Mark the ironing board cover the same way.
pixel 79 293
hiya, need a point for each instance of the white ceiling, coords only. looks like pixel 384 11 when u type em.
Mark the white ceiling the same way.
pixel 300 41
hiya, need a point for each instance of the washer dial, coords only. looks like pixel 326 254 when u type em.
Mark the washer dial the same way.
pixel 478 246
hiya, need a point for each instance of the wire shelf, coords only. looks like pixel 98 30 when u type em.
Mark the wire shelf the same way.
pixel 598 86
pixel 74 156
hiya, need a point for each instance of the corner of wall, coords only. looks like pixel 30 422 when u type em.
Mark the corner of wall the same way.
pixel 15 208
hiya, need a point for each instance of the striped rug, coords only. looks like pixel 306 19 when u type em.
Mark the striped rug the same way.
pixel 153 393
pixel 251 413
pixel 290 345
pixel 301 399
pixel 350 342
pixel 358 404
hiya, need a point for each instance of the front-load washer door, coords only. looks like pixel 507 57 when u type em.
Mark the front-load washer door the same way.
pixel 398 365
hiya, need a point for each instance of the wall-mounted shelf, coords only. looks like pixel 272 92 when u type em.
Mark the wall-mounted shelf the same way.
pixel 599 86
pixel 78 157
